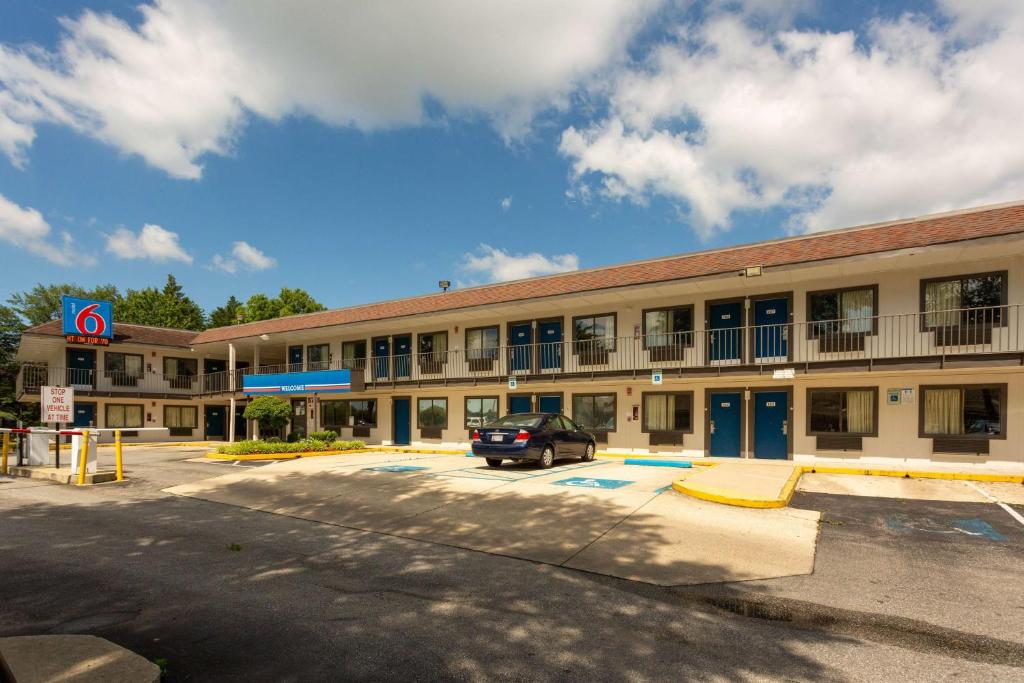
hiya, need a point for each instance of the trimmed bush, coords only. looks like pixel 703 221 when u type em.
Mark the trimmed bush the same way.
pixel 272 448
pixel 328 435
pixel 272 413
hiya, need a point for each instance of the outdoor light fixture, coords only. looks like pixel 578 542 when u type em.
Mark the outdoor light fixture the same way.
pixel 265 337
pixel 751 271
pixel 444 285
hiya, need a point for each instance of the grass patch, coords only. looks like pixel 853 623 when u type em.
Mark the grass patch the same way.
pixel 271 448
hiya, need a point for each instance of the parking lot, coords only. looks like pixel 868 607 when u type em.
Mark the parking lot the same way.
pixel 459 572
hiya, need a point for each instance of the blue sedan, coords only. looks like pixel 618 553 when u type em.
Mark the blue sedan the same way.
pixel 538 437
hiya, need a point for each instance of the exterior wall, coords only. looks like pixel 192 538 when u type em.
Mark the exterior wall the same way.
pixel 153 416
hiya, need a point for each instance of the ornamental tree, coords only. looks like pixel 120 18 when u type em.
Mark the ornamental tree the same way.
pixel 271 412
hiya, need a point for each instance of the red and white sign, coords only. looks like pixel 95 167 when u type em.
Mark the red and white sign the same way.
pixel 58 404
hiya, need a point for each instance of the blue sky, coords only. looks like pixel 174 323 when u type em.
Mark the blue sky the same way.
pixel 495 144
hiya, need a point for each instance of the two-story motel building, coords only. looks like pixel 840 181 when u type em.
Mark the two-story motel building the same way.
pixel 889 342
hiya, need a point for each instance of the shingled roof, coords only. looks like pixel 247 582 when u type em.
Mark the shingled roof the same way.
pixel 128 334
pixel 926 231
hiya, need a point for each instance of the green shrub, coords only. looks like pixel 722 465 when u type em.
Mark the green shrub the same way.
pixel 304 446
pixel 272 413
pixel 328 435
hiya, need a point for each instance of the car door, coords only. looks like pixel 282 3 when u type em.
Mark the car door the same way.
pixel 576 436
pixel 565 444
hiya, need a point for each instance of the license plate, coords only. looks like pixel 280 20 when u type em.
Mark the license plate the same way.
pixel 497 437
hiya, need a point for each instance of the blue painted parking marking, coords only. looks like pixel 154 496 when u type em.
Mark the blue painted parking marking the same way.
pixel 592 483
pixel 396 468
pixel 647 462
pixel 974 527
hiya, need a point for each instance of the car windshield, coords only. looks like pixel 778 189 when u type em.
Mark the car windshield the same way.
pixel 517 421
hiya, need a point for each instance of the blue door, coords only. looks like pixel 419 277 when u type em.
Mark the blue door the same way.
pixel 403 356
pixel 241 427
pixel 381 351
pixel 551 403
pixel 215 422
pixel 402 415
pixel 295 358
pixel 519 404
pixel 726 411
pixel 85 415
pixel 771 425
pixel 771 328
pixel 520 341
pixel 550 333
pixel 725 338
pixel 81 368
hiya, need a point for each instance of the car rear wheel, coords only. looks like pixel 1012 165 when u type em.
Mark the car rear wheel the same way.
pixel 588 454
pixel 493 462
pixel 547 458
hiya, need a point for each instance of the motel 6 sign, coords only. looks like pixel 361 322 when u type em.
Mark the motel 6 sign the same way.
pixel 86 321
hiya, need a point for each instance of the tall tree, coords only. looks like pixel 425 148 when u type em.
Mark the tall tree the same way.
pixel 168 307
pixel 261 307
pixel 42 303
pixel 11 326
pixel 230 313
pixel 287 302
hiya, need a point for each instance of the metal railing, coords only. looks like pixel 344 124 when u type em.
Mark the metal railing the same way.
pixel 33 376
pixel 935 336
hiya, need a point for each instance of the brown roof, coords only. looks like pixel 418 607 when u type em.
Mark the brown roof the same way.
pixel 130 334
pixel 970 224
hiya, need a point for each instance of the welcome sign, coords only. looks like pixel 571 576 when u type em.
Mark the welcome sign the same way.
pixel 312 382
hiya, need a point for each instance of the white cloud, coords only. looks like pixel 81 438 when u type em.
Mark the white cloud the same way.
pixel 26 228
pixel 243 255
pixel 506 203
pixel 905 118
pixel 180 84
pixel 497 265
pixel 152 242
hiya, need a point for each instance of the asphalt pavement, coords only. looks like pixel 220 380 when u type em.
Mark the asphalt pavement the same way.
pixel 218 592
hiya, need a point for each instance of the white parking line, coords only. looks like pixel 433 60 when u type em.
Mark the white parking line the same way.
pixel 1013 513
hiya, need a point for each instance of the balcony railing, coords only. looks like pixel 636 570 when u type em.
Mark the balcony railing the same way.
pixel 857 342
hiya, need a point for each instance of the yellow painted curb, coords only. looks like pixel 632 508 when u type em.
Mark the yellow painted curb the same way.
pixel 213 455
pixel 914 474
pixel 727 497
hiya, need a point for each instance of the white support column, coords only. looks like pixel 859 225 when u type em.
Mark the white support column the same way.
pixel 231 387
pixel 255 366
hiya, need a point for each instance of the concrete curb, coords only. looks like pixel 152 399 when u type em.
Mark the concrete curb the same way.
pixel 81 658
pixel 214 455
pixel 726 496
pixel 914 474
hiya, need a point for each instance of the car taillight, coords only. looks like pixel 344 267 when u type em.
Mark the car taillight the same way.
pixel 476 435
pixel 523 435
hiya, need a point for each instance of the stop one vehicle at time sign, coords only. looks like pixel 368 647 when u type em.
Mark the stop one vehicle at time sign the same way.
pixel 57 404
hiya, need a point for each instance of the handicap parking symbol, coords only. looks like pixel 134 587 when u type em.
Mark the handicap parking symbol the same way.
pixel 591 483
pixel 395 468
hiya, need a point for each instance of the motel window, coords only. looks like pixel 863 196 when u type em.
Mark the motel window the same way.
pixel 181 420
pixel 842 411
pixel 967 411
pixel 432 413
pixel 668 412
pixel 433 347
pixel 668 327
pixel 348 413
pixel 353 355
pixel 964 300
pixel 318 357
pixel 120 416
pixel 481 410
pixel 849 310
pixel 594 411
pixel 123 364
pixel 593 335
pixel 482 343
pixel 181 367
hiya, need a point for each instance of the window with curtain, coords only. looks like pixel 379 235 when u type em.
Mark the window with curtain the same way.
pixel 318 356
pixel 482 343
pixel 123 416
pixel 594 333
pixel 432 413
pixel 594 411
pixel 433 347
pixel 849 310
pixel 353 355
pixel 966 411
pixel 180 367
pixel 334 415
pixel 181 417
pixel 965 299
pixel 667 412
pixel 669 327
pixel 842 411
pixel 481 410
pixel 123 364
